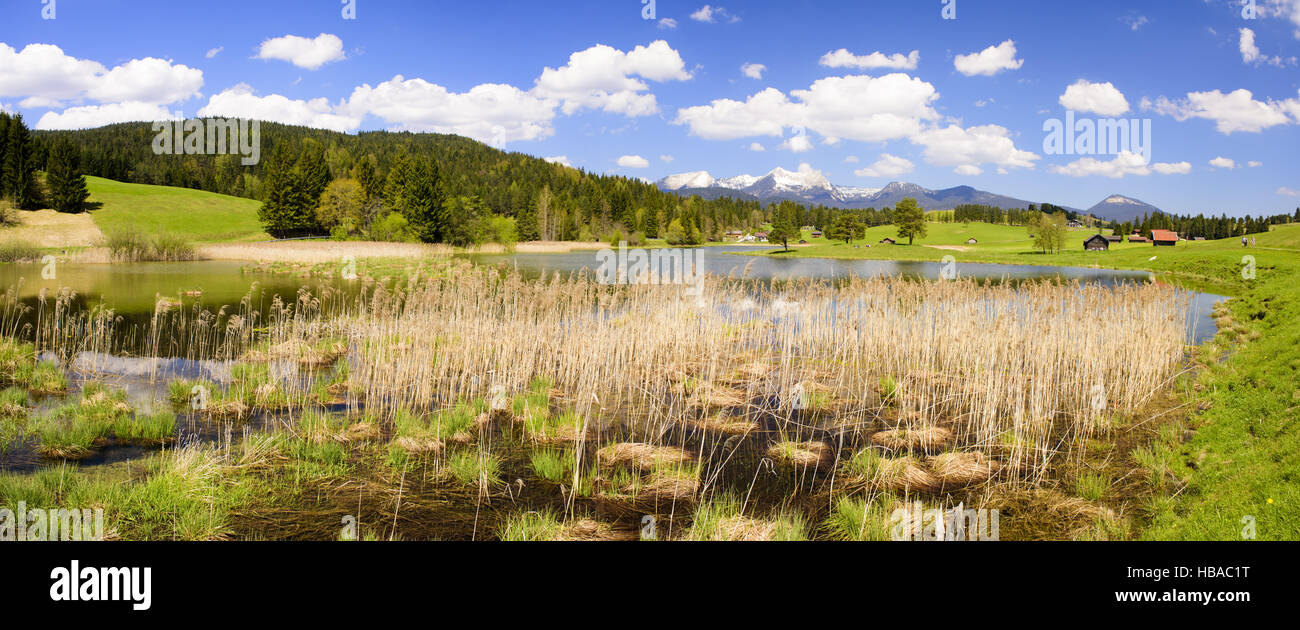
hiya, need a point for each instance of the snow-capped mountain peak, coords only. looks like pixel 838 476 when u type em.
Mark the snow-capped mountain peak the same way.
pixel 1122 208
pixel 1123 199
pixel 738 182
pixel 805 177
pixel 694 179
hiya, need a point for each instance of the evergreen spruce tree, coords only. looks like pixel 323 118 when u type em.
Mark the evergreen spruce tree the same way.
pixel 63 177
pixel 4 142
pixel 526 222
pixel 287 211
pixel 395 185
pixel 425 202
pixel 650 222
pixel 19 184
pixel 314 172
pixel 366 175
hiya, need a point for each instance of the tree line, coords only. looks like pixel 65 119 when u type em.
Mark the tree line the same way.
pixel 21 156
pixel 1209 228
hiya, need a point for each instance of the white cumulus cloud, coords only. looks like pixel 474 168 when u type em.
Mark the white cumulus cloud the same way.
pixel 970 147
pixel 753 70
pixel 303 52
pixel 1172 168
pixel 711 14
pixel 842 58
pixel 633 161
pixel 90 116
pixel 1097 98
pixel 797 144
pixel 493 113
pixel 42 75
pixel 241 102
pixel 1223 162
pixel 887 166
pixel 859 107
pixel 1249 51
pixel 1236 111
pixel 604 78
pixel 1126 163
pixel 989 61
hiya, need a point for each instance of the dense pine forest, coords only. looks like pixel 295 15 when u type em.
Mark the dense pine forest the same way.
pixel 405 186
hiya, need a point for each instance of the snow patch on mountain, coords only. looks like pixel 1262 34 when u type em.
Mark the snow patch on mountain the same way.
pixel 694 179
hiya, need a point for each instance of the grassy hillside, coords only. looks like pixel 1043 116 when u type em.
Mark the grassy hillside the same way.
pixel 194 214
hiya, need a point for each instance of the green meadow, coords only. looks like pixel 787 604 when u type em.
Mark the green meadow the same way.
pixel 195 215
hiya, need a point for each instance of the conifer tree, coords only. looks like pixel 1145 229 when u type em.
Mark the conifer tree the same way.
pixel 19 172
pixel 288 210
pixel 425 202
pixel 63 177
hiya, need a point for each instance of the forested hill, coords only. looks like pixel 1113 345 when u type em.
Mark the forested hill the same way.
pixel 468 168
pixel 503 183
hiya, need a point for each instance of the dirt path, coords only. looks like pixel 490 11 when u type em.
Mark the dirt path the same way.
pixel 47 228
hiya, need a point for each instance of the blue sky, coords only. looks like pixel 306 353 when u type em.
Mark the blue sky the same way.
pixel 603 88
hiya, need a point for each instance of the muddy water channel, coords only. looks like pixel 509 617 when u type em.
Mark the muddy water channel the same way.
pixel 514 455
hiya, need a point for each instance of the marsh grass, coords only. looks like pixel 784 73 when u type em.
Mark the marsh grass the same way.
pixel 1154 459
pixel 553 464
pixel 1008 373
pixel 532 526
pixel 983 361
pixel 147 429
pixel 75 429
pixel 128 245
pixel 856 518
pixel 474 467
pixel 19 366
pixel 318 460
pixel 722 518
pixel 13 416
pixel 1092 486
pixel 18 251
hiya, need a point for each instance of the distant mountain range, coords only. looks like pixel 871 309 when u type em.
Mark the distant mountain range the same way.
pixel 811 187
pixel 1121 208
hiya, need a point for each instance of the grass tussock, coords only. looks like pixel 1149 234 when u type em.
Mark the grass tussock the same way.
pixel 643 457
pixel 722 518
pixel 861 519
